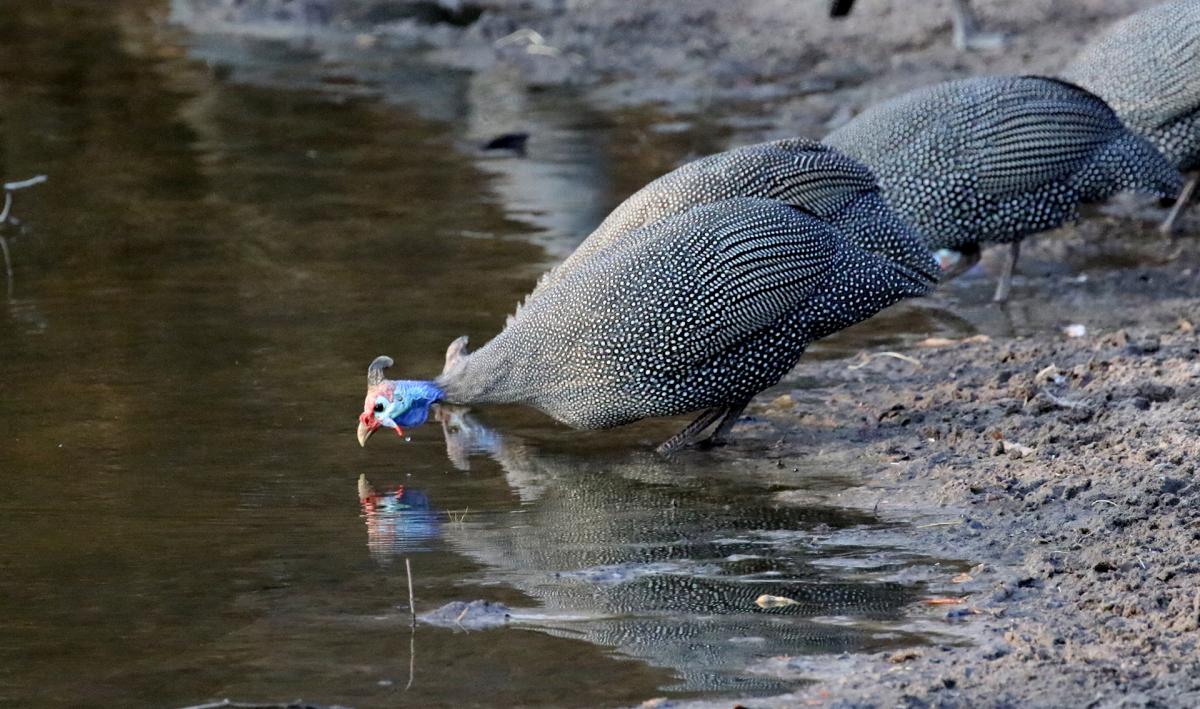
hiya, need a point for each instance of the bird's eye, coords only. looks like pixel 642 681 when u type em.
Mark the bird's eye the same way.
pixel 378 408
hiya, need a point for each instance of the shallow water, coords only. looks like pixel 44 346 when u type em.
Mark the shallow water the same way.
pixel 197 292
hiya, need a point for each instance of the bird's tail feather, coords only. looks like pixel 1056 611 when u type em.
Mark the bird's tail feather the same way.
pixel 1134 164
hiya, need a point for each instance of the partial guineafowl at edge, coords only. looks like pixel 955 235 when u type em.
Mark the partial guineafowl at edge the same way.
pixel 995 159
pixel 1147 67
pixel 694 298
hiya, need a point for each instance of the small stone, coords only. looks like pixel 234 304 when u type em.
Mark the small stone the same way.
pixel 1145 345
pixel 783 402
pixel 901 656
pixel 1171 486
pixel 1155 392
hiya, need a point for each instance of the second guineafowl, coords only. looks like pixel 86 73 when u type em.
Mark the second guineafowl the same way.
pixel 804 174
pixel 1147 67
pixel 995 159
pixel 692 296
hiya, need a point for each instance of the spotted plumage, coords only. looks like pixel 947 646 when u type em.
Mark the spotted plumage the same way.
pixel 1147 67
pixel 699 310
pixel 994 159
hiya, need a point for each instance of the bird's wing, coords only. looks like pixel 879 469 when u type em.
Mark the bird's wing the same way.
pixel 802 173
pixel 699 282
pixel 1035 132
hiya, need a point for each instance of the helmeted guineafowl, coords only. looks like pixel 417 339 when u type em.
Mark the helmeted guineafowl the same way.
pixel 994 159
pixel 1147 67
pixel 803 173
pixel 966 27
pixel 696 311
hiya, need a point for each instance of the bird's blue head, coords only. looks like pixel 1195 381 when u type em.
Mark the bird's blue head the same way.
pixel 394 404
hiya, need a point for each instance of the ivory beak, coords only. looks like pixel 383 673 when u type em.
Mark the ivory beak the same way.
pixel 364 432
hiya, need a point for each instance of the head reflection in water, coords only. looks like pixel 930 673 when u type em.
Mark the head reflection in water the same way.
pixel 399 521
pixel 629 552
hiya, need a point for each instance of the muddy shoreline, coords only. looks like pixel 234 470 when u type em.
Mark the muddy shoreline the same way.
pixel 1065 465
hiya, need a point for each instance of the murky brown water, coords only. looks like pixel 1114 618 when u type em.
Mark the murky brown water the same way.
pixel 197 292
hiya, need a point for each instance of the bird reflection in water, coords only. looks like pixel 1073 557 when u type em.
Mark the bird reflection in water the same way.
pixel 628 552
pixel 399 520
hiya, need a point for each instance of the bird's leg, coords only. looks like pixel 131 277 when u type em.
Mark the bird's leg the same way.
pixel 1006 275
pixel 690 433
pixel 731 415
pixel 1185 196
pixel 967 36
pixel 969 256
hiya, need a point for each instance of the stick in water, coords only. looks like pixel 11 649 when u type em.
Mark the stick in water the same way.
pixel 412 608
pixel 9 188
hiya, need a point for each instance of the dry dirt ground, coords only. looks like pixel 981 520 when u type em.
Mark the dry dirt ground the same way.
pixel 1067 465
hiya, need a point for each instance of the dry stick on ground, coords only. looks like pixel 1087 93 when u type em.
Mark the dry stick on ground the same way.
pixel 867 358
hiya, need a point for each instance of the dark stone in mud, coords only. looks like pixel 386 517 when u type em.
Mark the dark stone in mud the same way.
pixel 1171 486
pixel 1145 345
pixel 1156 393
pixel 995 651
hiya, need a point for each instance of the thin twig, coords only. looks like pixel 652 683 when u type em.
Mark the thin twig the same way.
pixel 1059 401
pixel 9 188
pixel 412 606
pixel 896 355
pixel 940 524
pixel 7 263
pixel 412 657
pixel 22 184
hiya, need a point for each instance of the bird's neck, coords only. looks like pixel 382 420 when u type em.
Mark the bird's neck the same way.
pixel 422 390
pixel 490 375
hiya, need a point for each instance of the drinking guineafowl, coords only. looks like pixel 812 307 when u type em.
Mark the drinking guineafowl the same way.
pixel 994 159
pixel 966 27
pixel 683 309
pixel 1147 67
